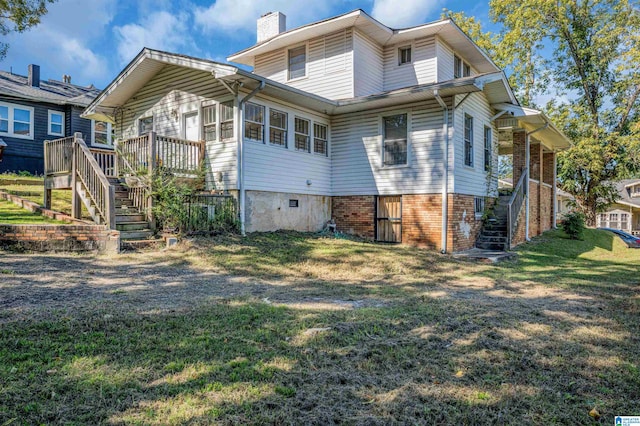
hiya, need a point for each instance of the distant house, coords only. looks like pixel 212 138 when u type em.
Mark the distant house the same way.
pixel 565 203
pixel 624 214
pixel 391 133
pixel 32 111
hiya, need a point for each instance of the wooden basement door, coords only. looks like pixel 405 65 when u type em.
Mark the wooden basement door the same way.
pixel 389 219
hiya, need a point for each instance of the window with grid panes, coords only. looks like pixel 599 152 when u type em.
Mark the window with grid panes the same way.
pixel 209 122
pixel 254 122
pixel 302 134
pixel 277 127
pixel 468 140
pixel 226 121
pixel 320 144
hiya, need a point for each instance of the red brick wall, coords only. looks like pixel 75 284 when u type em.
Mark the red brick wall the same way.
pixel 519 155
pixel 422 220
pixel 535 161
pixel 463 226
pixel 355 215
pixel 534 211
pixel 546 196
pixel 59 238
pixel 547 167
pixel 519 235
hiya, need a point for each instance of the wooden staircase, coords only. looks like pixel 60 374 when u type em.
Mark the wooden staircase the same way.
pixel 130 221
pixel 495 234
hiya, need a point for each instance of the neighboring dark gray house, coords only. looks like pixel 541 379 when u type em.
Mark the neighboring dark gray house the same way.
pixel 32 111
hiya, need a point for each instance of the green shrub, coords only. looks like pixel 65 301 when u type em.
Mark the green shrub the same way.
pixel 573 225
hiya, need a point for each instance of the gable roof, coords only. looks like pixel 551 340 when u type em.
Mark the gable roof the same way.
pixel 149 62
pixel 624 192
pixel 51 91
pixel 385 36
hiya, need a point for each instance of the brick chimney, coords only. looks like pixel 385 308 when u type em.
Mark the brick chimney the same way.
pixel 33 79
pixel 270 25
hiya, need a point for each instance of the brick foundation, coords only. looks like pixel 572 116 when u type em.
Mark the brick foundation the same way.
pixel 355 215
pixel 421 219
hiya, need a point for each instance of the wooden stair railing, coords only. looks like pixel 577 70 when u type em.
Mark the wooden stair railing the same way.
pixel 88 174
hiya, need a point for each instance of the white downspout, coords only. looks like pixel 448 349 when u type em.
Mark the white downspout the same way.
pixel 445 175
pixel 242 195
pixel 528 162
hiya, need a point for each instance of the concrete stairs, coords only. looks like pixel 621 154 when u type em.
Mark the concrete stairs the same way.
pixel 494 234
pixel 129 220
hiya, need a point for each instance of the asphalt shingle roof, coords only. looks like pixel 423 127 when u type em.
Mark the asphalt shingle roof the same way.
pixel 53 91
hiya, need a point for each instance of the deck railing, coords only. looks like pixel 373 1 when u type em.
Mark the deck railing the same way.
pixel 179 155
pixel 515 204
pixel 133 155
pixel 94 181
pixel 107 160
pixel 58 156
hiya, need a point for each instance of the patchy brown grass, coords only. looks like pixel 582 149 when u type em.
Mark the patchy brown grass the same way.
pixel 289 328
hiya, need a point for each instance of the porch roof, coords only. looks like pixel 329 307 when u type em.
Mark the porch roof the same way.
pixel 529 119
pixel 149 62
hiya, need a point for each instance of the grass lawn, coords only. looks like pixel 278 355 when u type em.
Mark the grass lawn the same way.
pixel 290 328
pixel 16 215
pixel 60 198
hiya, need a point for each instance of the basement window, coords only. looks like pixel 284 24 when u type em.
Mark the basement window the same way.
pixel 478 207
pixel 293 203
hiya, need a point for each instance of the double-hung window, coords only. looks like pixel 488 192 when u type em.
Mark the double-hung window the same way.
pixel 254 122
pixel 302 139
pixel 487 148
pixel 457 67
pixel 394 142
pixel 320 144
pixel 101 132
pixel 468 140
pixel 277 127
pixel 478 207
pixel 613 220
pixel 56 123
pixel 297 62
pixel 404 55
pixel 226 121
pixel 209 122
pixel 16 121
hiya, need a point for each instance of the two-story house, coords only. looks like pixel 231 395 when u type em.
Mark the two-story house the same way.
pixel 33 110
pixel 392 133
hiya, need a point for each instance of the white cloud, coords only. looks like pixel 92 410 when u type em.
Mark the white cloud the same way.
pixel 60 43
pixel 404 14
pixel 159 30
pixel 228 15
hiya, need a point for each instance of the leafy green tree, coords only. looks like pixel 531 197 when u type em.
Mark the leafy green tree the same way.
pixel 586 51
pixel 19 16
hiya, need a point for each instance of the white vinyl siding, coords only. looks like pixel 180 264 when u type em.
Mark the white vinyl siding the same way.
pixel 421 70
pixel 445 61
pixel 473 180
pixel 357 155
pixel 329 66
pixel 368 69
pixel 188 89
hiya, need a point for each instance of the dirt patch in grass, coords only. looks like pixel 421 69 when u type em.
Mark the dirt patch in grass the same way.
pixel 296 329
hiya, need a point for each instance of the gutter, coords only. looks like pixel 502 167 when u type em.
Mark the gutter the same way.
pixel 240 150
pixel 445 174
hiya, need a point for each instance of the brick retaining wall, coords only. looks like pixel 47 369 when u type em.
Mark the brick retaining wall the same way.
pixel 53 237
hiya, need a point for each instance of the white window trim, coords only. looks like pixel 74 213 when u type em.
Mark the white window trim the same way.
pixel 93 136
pixel 9 132
pixel 153 127
pixel 265 117
pixel 404 46
pixel 306 61
pixel 285 129
pixel 381 142
pixel 471 166
pixel 218 106
pixel 484 148
pixel 313 137
pixel 309 134
pixel 478 215
pixel 49 114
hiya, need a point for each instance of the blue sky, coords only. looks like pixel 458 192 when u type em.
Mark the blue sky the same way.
pixel 92 40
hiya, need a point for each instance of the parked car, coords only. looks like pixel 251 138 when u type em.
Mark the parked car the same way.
pixel 630 240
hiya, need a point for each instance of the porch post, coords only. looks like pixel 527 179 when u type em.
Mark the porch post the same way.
pixel 554 217
pixel 76 208
pixel 47 191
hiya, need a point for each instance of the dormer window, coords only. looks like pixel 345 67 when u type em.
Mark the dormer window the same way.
pixel 404 55
pixel 635 191
pixel 460 68
pixel 297 62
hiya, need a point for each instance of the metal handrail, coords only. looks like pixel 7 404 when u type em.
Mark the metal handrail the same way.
pixel 515 205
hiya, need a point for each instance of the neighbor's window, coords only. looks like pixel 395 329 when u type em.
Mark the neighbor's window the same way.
pixel 395 140
pixel 209 122
pixel 56 123
pixel 277 127
pixel 404 55
pixel 487 148
pixel 254 122
pixel 613 220
pixel 624 221
pixel 302 134
pixel 297 62
pixel 101 133
pixel 145 125
pixel 226 121
pixel 468 140
pixel 16 121
pixel 457 67
pixel 320 144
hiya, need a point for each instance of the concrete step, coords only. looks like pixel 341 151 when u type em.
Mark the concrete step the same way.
pixel 132 245
pixel 493 233
pixel 136 235
pixel 490 227
pixel 487 239
pixel 132 226
pixel 128 216
pixel 491 246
